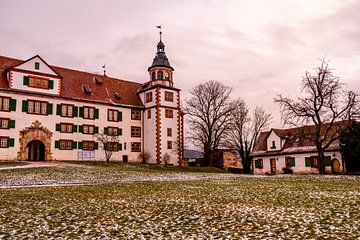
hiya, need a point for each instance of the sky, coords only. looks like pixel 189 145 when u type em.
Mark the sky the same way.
pixel 260 48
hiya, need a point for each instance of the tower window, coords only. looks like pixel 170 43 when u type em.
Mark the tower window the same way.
pixel 169 113
pixel 148 97
pixel 149 113
pixel 169 96
pixel 167 76
pixel 153 75
pixel 160 75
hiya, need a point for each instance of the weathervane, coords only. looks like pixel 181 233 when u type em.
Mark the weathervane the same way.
pixel 104 69
pixel 159 27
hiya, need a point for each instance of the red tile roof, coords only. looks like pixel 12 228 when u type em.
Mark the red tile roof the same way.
pixel 73 81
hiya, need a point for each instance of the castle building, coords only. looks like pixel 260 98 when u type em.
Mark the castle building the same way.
pixel 53 113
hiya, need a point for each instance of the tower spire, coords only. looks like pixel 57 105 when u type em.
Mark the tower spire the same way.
pixel 160 32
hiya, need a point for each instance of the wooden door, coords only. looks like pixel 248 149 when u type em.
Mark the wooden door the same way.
pixel 273 165
pixel 335 166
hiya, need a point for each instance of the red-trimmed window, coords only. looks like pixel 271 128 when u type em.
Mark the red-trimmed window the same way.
pixel 135 114
pixel 149 113
pixel 67 110
pixel 112 131
pixel 169 96
pixel 259 163
pixel 135 147
pixel 88 145
pixel 135 131
pixel 169 113
pixel 169 144
pixel 4 142
pixel 148 97
pixel 5 104
pixel 169 132
pixel 66 144
pixel 37 107
pixel 113 115
pixel 4 123
pixel 112 146
pixel 66 127
pixel 88 129
pixel 89 112
pixel 37 82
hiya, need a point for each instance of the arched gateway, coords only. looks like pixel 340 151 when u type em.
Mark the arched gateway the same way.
pixel 35 143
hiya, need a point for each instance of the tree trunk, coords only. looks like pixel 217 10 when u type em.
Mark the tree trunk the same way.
pixel 321 161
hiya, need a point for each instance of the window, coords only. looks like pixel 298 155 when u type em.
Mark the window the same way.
pixel 88 145
pixel 112 146
pixel 135 114
pixel 289 162
pixel 89 112
pixel 4 123
pixel 112 131
pixel 169 144
pixel 160 75
pixel 169 113
pixel 88 129
pixel 135 147
pixel 66 144
pixel 66 110
pixel 125 158
pixel 37 65
pixel 37 107
pixel 169 132
pixel 66 127
pixel 38 82
pixel 259 163
pixel 148 97
pixel 169 96
pixel 167 76
pixel 135 131
pixel 149 113
pixel 311 162
pixel 273 145
pixel 4 104
pixel 113 115
pixel 4 142
pixel 153 75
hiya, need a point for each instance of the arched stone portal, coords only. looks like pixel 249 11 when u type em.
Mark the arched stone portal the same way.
pixel 35 151
pixel 38 133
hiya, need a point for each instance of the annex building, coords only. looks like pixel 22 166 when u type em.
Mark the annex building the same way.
pixel 53 113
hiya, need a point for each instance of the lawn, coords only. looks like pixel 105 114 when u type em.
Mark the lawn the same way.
pixel 282 207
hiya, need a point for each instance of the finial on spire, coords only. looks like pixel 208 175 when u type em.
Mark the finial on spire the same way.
pixel 104 69
pixel 159 27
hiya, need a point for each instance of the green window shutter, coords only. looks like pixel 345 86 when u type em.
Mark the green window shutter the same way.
pixel 49 108
pixel 96 113
pixel 79 145
pixel 26 81
pixel 75 111
pixel 11 123
pixel 119 131
pixel 74 128
pixel 96 145
pixel 11 142
pixel 58 127
pixel 106 130
pixel 80 128
pixel 307 161
pixel 37 66
pixel 327 161
pixel 58 109
pixel 12 104
pixel 74 145
pixel 96 129
pixel 81 112
pixel 24 106
pixel 51 84
pixel 119 116
pixel 119 146
pixel 57 144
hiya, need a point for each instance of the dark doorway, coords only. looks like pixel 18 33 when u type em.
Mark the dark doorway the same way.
pixel 36 151
pixel 273 165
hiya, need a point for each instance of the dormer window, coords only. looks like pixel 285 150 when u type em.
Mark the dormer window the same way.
pixel 273 145
pixel 87 89
pixel 37 65
pixel 160 75
pixel 117 95
pixel 98 80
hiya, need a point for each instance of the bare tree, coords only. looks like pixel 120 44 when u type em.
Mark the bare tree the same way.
pixel 110 143
pixel 209 116
pixel 245 130
pixel 166 159
pixel 144 156
pixel 324 105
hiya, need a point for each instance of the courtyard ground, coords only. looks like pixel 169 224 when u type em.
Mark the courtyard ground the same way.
pixel 129 202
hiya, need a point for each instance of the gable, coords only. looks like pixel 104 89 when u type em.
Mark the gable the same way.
pixel 37 65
